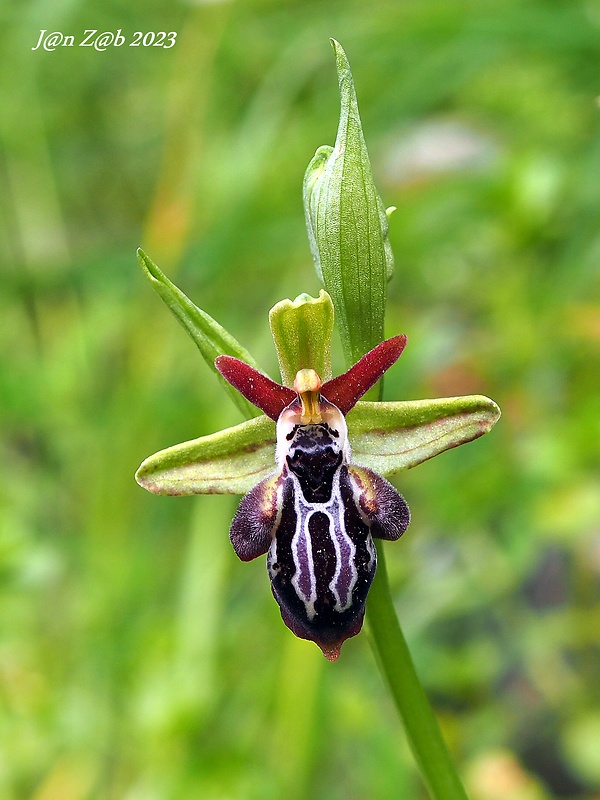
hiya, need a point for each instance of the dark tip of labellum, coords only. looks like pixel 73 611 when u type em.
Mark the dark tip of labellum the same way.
pixel 329 643
pixel 331 651
pixel 344 391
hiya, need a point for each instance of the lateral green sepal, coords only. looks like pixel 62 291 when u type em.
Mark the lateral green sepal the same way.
pixel 231 461
pixel 391 437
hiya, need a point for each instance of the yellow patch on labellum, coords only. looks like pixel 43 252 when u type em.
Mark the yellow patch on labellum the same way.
pixel 368 491
pixel 269 496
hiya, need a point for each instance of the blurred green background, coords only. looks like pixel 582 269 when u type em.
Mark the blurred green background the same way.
pixel 138 658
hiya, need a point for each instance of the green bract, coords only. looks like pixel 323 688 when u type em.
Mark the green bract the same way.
pixel 209 337
pixel 348 226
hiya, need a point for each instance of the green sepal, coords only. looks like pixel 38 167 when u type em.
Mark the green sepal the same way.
pixel 348 227
pixel 390 437
pixel 210 338
pixel 385 437
pixel 231 461
pixel 302 332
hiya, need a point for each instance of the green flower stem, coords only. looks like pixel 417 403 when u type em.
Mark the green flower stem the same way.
pixel 393 655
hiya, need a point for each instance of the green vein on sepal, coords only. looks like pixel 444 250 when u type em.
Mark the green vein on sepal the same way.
pixel 390 437
pixel 231 461
pixel 210 338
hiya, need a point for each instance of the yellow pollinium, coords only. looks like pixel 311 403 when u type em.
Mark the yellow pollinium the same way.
pixel 307 384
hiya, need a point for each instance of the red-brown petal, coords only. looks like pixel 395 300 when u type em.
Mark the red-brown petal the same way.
pixel 260 390
pixel 347 389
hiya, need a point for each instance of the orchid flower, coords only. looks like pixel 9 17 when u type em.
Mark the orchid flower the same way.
pixel 312 466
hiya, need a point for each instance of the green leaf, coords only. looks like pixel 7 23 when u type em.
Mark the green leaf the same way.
pixel 302 332
pixel 390 437
pixel 210 338
pixel 231 461
pixel 348 227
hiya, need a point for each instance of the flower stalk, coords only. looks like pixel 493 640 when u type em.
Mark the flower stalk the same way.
pixel 397 667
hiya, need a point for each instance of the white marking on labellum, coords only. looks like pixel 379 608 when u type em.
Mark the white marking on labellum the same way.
pixel 345 577
pixel 304 580
pixel 272 558
pixel 343 582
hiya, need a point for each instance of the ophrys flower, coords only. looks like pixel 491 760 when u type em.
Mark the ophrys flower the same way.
pixel 317 514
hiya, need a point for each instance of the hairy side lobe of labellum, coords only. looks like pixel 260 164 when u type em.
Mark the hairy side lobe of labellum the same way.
pixel 316 516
